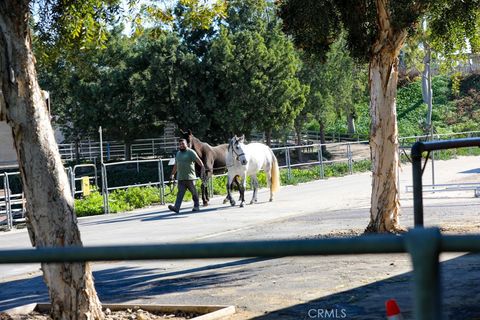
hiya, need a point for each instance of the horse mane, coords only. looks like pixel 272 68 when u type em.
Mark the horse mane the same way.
pixel 213 157
pixel 199 146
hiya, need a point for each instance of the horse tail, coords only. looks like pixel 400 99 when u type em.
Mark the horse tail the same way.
pixel 275 173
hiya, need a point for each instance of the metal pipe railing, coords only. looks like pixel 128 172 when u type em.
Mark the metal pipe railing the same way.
pixel 74 176
pixel 274 248
pixel 160 183
pixel 416 154
pixel 423 245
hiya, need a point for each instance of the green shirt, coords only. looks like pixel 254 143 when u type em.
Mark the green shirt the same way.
pixel 185 162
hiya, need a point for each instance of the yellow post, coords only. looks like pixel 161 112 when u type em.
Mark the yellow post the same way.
pixel 86 186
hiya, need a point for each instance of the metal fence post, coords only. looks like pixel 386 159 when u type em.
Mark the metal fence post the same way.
pixel 162 181
pixel 432 156
pixel 72 181
pixel 416 155
pixel 5 196
pixel 289 169
pixel 7 199
pixel 320 159
pixel 350 160
pixel 9 203
pixel 424 248
pixel 106 206
pixel 96 174
pixel 398 170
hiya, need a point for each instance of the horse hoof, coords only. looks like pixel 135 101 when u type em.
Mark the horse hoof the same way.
pixel 251 202
pixel 241 205
pixel 225 201
pixel 232 203
pixel 271 199
pixel 205 204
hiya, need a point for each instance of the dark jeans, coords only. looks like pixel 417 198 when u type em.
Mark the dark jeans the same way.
pixel 183 185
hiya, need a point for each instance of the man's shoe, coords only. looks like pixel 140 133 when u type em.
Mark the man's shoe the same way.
pixel 172 208
pixel 195 209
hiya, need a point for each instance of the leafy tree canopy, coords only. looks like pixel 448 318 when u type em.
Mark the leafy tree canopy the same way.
pixel 316 24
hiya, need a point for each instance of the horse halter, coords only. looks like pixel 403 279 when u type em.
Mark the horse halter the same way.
pixel 236 153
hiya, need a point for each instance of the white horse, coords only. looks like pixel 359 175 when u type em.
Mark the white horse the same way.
pixel 248 159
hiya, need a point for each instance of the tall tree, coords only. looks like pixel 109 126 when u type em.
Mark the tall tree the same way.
pixel 253 71
pixel 321 98
pixel 337 85
pixel 376 31
pixel 124 87
pixel 51 218
pixel 73 26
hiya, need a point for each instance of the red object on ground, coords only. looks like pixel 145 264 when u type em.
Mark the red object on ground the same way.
pixel 393 311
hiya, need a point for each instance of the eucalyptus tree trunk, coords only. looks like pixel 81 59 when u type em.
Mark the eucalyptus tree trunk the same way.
pixel 383 77
pixel 298 134
pixel 268 137
pixel 351 124
pixel 50 214
pixel 323 140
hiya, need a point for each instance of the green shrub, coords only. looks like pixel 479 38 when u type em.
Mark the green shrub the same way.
pixel 141 197
pixel 362 166
pixel 90 205
pixel 119 200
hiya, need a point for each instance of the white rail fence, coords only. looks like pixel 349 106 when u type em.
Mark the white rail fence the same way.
pixel 12 205
pixel 114 150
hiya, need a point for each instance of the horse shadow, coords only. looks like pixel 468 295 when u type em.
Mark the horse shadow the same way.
pixel 185 212
pixel 153 215
pixel 126 217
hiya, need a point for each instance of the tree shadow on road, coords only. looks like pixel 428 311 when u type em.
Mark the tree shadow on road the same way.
pixel 460 296
pixel 460 278
pixel 121 284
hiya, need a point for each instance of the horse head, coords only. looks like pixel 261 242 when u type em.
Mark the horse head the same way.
pixel 187 135
pixel 236 147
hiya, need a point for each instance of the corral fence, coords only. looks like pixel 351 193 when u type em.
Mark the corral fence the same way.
pixel 114 150
pixel 152 171
pixel 320 155
pixel 12 201
pixel 157 180
pixel 407 142
pixel 308 137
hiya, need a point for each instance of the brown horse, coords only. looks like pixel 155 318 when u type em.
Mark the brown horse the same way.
pixel 212 157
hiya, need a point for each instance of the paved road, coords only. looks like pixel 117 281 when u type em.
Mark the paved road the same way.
pixel 291 286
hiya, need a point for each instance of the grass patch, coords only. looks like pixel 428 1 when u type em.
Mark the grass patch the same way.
pixel 119 201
